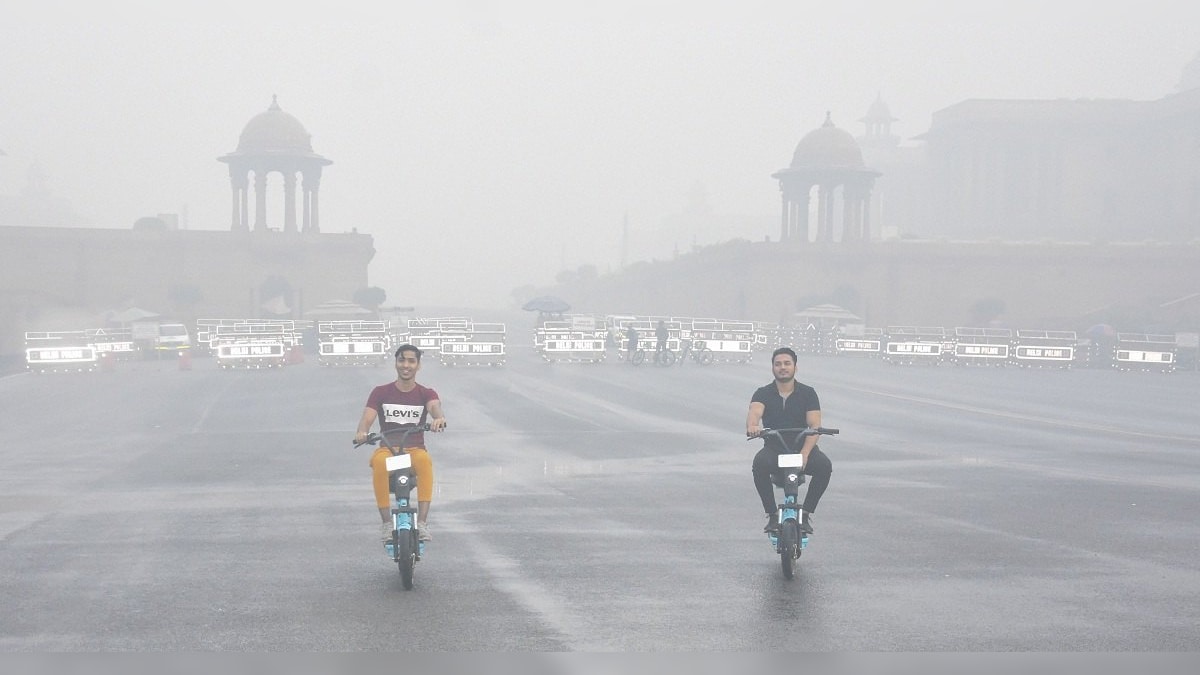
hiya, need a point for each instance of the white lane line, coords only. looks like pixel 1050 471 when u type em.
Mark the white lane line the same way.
pixel 508 577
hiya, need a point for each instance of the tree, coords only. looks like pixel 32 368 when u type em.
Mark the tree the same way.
pixel 370 297
pixel 184 296
pixel 275 286
pixel 149 224
pixel 985 311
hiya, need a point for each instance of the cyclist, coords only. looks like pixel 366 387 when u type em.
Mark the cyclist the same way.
pixel 786 403
pixel 397 405
pixel 661 335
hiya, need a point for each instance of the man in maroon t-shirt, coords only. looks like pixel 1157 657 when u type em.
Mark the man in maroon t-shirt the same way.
pixel 396 405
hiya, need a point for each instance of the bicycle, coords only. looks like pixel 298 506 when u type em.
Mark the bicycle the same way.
pixel 702 356
pixel 405 547
pixel 663 358
pixel 789 540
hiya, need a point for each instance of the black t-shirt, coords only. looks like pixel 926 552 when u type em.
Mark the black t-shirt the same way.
pixel 781 413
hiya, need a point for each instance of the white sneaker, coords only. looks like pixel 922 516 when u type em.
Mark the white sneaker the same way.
pixel 387 532
pixel 423 532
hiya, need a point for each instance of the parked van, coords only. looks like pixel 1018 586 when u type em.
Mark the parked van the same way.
pixel 172 336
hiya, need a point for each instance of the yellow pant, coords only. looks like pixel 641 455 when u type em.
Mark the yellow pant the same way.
pixel 422 466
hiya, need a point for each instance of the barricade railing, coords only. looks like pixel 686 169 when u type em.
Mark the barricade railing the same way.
pixel 982 346
pixel 1145 351
pixel 1045 348
pixel 916 344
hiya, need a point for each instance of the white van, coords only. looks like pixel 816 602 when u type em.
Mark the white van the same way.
pixel 172 336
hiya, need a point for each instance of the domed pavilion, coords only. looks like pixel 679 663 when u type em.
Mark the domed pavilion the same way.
pixel 275 142
pixel 828 159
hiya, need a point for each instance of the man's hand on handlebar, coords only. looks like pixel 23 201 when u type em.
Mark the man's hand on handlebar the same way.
pixel 437 424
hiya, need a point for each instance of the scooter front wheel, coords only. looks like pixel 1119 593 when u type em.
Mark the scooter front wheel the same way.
pixel 406 556
pixel 789 546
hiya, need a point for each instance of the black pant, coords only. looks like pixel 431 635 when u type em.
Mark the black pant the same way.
pixel 766 463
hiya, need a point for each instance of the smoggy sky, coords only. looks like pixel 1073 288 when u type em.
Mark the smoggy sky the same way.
pixel 487 145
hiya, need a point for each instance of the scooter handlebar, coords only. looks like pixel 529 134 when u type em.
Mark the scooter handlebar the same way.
pixel 375 438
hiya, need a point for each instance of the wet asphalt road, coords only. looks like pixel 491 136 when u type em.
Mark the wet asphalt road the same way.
pixel 600 508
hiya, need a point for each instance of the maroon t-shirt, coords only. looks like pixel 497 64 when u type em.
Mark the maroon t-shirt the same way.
pixel 398 409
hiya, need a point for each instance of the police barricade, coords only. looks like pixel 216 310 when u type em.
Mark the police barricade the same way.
pixel 858 341
pixel 808 340
pixel 206 332
pixel 575 339
pixel 794 338
pixel 396 318
pixel 982 346
pixel 113 343
pixel 645 334
pixel 428 334
pixel 60 351
pixel 729 341
pixel 254 344
pixel 352 343
pixel 1045 348
pixel 1144 351
pixel 289 331
pixel 908 345
pixel 679 343
pixel 483 345
pixel 766 337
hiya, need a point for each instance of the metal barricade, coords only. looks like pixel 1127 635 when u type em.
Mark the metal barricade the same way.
pixel 353 343
pixel 982 346
pixel 858 341
pixel 1144 351
pixel 60 351
pixel 483 344
pixel 909 345
pixel 1045 348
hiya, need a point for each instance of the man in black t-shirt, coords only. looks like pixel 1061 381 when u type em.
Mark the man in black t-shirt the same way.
pixel 786 403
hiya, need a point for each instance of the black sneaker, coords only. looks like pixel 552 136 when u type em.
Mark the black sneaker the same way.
pixel 772 523
pixel 806 523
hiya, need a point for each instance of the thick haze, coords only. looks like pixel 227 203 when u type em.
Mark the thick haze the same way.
pixel 487 147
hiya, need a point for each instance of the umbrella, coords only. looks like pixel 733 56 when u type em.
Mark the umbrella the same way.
pixel 547 304
pixel 829 311
pixel 339 309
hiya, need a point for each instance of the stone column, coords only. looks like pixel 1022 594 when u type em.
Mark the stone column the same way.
pixel 233 220
pixel 244 197
pixel 785 218
pixel 825 212
pixel 800 224
pixel 306 189
pixel 260 201
pixel 865 226
pixel 289 201
pixel 238 184
pixel 315 225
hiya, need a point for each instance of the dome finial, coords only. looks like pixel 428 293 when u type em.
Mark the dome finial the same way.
pixel 828 119
pixel 274 103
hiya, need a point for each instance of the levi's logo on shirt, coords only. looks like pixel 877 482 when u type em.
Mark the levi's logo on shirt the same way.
pixel 402 414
